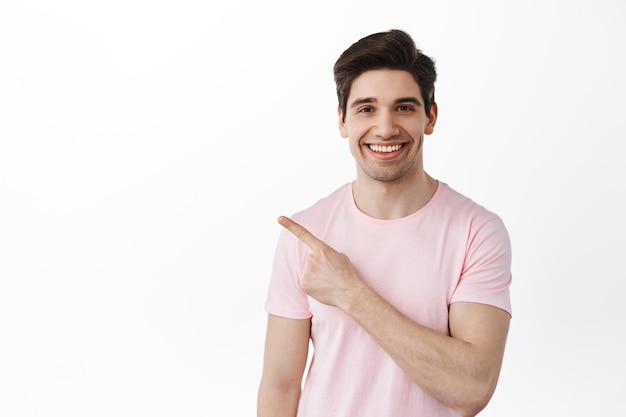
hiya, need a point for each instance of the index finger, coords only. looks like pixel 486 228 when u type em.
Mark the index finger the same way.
pixel 301 233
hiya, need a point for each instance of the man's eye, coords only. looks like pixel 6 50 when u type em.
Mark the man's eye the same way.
pixel 405 108
pixel 365 110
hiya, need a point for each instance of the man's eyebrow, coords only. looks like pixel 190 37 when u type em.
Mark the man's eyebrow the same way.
pixel 368 100
pixel 364 100
pixel 413 100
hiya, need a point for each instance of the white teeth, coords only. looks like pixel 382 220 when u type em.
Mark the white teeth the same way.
pixel 378 148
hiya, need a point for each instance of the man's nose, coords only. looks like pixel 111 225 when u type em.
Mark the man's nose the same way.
pixel 385 126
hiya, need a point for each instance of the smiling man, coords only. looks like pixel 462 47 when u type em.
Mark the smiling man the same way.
pixel 400 282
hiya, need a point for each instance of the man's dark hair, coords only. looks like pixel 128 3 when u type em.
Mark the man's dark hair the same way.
pixel 393 50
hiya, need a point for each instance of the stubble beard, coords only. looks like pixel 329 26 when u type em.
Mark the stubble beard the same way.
pixel 388 174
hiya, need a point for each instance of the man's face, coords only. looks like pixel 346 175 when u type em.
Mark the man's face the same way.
pixel 385 122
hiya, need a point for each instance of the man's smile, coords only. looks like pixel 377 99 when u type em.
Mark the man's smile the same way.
pixel 385 148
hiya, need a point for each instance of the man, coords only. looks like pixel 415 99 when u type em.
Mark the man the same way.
pixel 401 283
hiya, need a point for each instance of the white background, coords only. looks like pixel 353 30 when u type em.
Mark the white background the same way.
pixel 146 148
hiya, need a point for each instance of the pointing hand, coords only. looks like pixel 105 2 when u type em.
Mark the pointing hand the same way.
pixel 328 275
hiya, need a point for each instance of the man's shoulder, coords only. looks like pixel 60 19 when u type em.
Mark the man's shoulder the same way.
pixel 459 204
pixel 324 208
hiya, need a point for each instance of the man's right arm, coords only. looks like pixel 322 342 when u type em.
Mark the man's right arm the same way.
pixel 286 352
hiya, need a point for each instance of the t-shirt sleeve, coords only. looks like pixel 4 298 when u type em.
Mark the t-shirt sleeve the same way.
pixel 486 275
pixel 285 297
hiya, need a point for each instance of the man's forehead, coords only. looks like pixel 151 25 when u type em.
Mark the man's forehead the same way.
pixel 384 85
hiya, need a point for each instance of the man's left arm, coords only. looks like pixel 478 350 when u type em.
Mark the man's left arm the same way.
pixel 460 370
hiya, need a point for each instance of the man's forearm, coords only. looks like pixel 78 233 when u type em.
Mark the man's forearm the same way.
pixel 450 369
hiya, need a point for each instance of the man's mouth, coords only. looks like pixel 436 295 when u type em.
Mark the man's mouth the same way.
pixel 385 149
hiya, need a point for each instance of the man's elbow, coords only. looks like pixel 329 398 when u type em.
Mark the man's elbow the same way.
pixel 477 400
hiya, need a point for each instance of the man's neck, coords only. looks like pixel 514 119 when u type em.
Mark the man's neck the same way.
pixel 393 200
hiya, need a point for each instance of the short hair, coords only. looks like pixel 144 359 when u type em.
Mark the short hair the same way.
pixel 394 50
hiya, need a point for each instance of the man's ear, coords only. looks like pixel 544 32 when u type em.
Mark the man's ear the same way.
pixel 342 125
pixel 432 119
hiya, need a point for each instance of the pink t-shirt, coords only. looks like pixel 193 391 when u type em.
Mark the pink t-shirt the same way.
pixel 450 250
